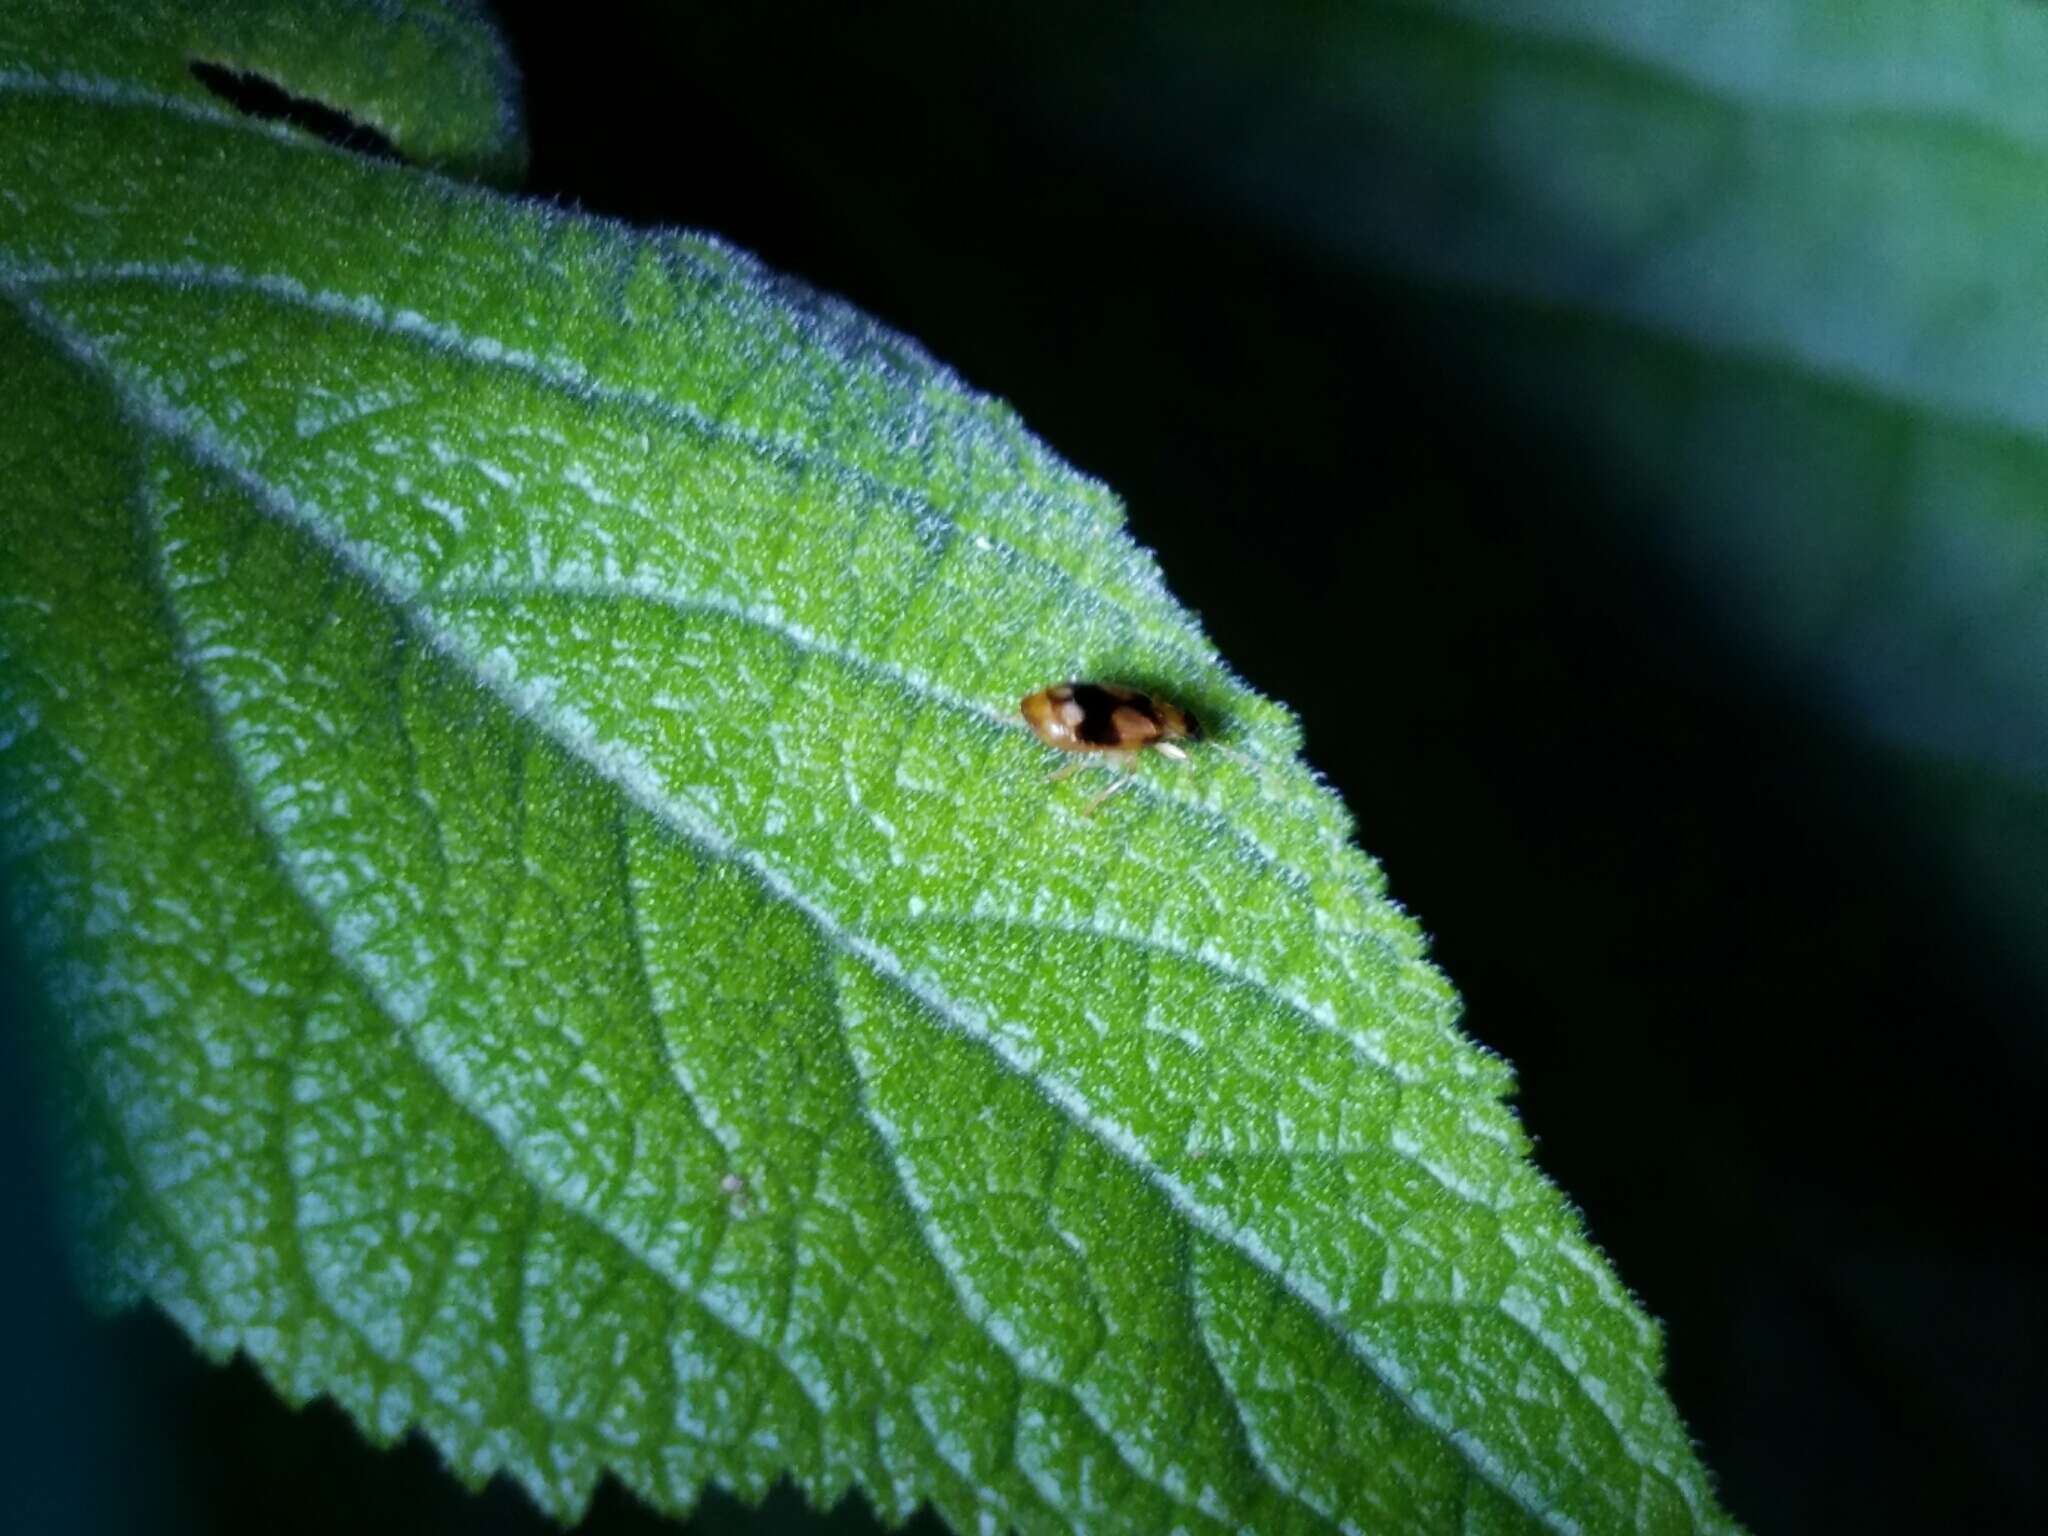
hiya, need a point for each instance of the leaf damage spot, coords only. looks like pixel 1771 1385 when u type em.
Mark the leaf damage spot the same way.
pixel 255 96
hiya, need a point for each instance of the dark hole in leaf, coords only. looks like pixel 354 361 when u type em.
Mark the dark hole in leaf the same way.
pixel 258 97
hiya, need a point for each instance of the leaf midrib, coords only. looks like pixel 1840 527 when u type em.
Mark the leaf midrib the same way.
pixel 570 379
pixel 98 91
pixel 566 377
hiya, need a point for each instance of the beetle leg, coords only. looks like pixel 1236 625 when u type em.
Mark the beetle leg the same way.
pixel 1123 781
pixel 1124 766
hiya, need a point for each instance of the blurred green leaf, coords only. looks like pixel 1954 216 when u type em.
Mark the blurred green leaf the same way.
pixel 1772 278
pixel 560 940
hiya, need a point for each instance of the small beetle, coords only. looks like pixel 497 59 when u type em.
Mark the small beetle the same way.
pixel 1108 718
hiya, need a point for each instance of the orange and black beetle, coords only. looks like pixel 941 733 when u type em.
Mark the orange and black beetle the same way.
pixel 1109 719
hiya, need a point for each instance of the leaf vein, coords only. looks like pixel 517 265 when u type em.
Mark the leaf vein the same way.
pixel 916 683
pixel 566 376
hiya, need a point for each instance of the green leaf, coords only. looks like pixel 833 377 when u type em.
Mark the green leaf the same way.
pixel 430 77
pixel 513 792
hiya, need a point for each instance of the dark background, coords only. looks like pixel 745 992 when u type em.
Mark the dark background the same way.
pixel 1757 1037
